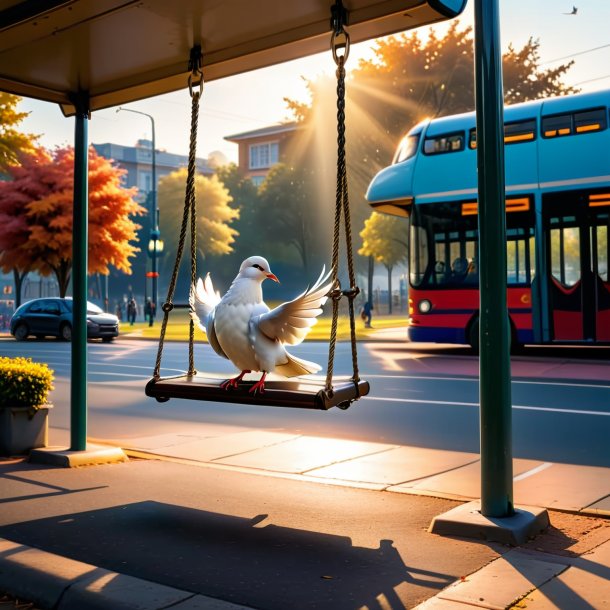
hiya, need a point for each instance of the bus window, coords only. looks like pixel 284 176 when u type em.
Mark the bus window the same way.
pixel 520 131
pixel 418 254
pixel 444 144
pixel 407 148
pixel 565 252
pixel 590 120
pixel 514 132
pixel 519 256
pixel 558 125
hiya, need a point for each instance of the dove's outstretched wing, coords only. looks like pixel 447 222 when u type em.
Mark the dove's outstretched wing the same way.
pixel 203 300
pixel 290 322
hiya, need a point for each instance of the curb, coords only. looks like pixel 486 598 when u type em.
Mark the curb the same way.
pixel 60 583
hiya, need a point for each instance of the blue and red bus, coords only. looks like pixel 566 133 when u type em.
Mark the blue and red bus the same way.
pixel 557 159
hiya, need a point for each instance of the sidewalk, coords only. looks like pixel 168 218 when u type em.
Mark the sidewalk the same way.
pixel 239 518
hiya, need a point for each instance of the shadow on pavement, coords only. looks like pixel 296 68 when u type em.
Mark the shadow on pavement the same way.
pixel 243 560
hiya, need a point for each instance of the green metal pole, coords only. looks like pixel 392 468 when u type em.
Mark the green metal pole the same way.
pixel 78 382
pixel 494 327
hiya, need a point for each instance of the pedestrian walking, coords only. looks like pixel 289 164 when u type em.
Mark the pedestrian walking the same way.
pixel 367 314
pixel 132 309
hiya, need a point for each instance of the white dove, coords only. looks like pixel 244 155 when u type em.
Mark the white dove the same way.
pixel 241 328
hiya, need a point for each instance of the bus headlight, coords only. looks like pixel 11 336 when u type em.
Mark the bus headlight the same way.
pixel 424 306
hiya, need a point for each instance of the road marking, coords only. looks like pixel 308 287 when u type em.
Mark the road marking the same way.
pixel 476 404
pixel 529 473
pixel 476 380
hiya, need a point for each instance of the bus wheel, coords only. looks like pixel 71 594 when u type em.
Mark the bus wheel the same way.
pixel 473 337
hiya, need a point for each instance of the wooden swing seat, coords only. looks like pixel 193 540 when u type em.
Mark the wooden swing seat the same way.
pixel 306 393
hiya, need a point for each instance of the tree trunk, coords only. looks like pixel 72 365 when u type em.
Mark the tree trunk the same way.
pixel 370 286
pixel 62 273
pixel 18 278
pixel 389 268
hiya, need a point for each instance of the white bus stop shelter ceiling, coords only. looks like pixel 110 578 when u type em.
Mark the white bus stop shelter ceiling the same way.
pixel 120 51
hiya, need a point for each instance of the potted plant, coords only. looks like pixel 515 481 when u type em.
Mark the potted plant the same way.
pixel 24 407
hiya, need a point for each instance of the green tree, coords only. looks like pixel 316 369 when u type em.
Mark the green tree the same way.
pixel 408 80
pixel 244 195
pixel 286 211
pixel 12 141
pixel 215 235
pixel 383 238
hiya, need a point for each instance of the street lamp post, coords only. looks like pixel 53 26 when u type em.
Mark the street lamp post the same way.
pixel 157 244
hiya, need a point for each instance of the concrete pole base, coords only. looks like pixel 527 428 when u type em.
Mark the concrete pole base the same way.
pixel 468 522
pixel 64 458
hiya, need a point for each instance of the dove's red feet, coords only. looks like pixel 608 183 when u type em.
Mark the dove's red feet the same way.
pixel 234 382
pixel 259 386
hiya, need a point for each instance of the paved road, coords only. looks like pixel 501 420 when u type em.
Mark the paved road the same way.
pixel 423 397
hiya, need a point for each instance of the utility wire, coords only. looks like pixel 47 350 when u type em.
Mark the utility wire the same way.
pixel 550 61
pixel 591 80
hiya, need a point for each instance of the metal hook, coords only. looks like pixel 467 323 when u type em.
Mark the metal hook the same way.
pixel 196 75
pixel 340 38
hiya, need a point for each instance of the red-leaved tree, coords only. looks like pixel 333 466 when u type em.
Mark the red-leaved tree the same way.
pixel 38 201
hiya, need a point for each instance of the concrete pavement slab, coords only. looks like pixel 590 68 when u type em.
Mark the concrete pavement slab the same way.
pixel 503 581
pixel 464 482
pixel 36 575
pixel 396 465
pixel 199 602
pixel 564 486
pixel 107 589
pixel 585 585
pixel 160 441
pixel 303 454
pixel 436 603
pixel 216 448
pixel 602 507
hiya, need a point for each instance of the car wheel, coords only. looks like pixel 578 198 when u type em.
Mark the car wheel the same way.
pixel 107 339
pixel 21 332
pixel 66 332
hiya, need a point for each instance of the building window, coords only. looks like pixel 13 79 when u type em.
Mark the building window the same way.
pixel 145 182
pixel 264 155
pixel 257 180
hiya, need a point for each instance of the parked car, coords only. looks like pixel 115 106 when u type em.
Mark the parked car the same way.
pixel 53 316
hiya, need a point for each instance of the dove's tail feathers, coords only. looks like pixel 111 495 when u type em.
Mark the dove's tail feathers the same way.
pixel 202 300
pixel 295 367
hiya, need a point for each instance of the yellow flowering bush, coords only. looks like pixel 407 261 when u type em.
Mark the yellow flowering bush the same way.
pixel 24 383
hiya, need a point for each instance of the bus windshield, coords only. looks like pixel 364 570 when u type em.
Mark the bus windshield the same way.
pixel 443 246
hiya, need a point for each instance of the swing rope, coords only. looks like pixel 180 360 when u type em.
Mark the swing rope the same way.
pixel 340 40
pixel 195 83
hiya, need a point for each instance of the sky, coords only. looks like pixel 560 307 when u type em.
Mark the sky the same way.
pixel 256 99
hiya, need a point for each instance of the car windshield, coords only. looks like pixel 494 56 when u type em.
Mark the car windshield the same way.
pixel 91 307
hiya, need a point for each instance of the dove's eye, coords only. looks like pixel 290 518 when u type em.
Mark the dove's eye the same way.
pixel 258 267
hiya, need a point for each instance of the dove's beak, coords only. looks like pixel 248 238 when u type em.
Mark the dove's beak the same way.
pixel 271 276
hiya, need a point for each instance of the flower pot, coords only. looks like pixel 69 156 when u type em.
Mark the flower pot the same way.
pixel 23 428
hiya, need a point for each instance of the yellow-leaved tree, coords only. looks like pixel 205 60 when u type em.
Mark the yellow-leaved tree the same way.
pixel 215 236
pixel 12 141
pixel 384 238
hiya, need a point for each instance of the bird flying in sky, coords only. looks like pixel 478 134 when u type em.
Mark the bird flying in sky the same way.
pixel 241 328
pixel 574 11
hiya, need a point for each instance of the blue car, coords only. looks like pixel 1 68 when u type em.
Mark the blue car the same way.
pixel 53 317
